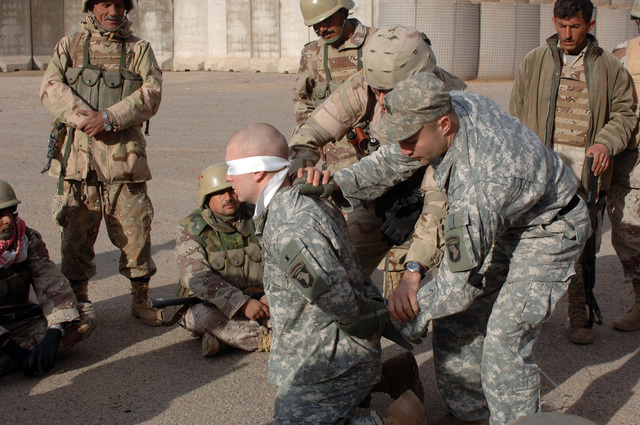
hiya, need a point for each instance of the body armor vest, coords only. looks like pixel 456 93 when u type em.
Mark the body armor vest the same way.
pixel 98 87
pixel 241 266
pixel 324 89
pixel 15 282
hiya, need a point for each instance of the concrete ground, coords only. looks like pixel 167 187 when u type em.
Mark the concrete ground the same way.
pixel 127 373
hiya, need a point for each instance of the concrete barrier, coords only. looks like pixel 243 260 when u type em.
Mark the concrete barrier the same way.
pixel 15 35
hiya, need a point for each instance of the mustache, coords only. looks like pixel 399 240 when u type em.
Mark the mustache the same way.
pixel 115 18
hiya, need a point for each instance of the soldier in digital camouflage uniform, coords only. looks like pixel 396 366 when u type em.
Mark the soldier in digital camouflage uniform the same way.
pixel 579 100
pixel 103 83
pixel 514 231
pixel 34 343
pixel 220 262
pixel 392 54
pixel 327 314
pixel 325 63
pixel 623 199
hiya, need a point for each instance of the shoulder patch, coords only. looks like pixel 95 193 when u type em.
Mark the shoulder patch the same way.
pixel 458 245
pixel 300 266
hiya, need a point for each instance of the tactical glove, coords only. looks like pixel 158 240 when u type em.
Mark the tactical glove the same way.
pixel 18 354
pixel 401 219
pixel 44 355
pixel 373 318
pixel 320 191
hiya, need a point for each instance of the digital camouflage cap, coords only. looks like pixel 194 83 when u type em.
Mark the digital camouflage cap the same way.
pixel 7 195
pixel 394 53
pixel 211 180
pixel 128 4
pixel 314 11
pixel 420 99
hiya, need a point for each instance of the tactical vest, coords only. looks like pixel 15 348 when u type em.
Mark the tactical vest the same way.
pixel 98 87
pixel 242 267
pixel 324 89
pixel 572 108
pixel 15 282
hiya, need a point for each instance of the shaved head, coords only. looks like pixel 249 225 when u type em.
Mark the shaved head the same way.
pixel 258 140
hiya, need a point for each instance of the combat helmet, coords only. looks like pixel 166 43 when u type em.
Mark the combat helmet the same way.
pixel 7 196
pixel 128 4
pixel 635 10
pixel 314 11
pixel 395 53
pixel 212 180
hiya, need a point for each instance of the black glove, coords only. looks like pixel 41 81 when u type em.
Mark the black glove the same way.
pixel 44 355
pixel 18 354
pixel 400 220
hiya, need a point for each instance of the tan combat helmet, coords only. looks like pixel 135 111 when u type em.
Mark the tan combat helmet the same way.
pixel 7 195
pixel 395 53
pixel 635 10
pixel 212 180
pixel 128 4
pixel 314 11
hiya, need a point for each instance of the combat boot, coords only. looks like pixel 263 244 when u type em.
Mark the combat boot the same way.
pixel 80 289
pixel 211 345
pixel 406 410
pixel 266 335
pixel 140 307
pixel 399 374
pixel 630 321
pixel 578 334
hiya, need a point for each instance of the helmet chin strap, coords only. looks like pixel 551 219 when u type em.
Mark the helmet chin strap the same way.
pixel 336 38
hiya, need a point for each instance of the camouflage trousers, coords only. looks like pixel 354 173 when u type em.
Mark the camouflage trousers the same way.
pixel 330 402
pixel 483 355
pixel 29 333
pixel 236 332
pixel 127 212
pixel 623 205
pixel 364 229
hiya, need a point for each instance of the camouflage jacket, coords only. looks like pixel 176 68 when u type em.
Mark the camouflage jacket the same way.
pixel 504 188
pixel 51 288
pixel 122 158
pixel 211 272
pixel 342 61
pixel 307 345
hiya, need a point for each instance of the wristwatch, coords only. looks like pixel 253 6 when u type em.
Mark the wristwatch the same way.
pixel 58 327
pixel 415 267
pixel 107 124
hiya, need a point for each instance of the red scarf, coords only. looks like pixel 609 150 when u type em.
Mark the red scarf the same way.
pixel 14 249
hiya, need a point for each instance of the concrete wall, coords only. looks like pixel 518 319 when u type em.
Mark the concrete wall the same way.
pixel 267 35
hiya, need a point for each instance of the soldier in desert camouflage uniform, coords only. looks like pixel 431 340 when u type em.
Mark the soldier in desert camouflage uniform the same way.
pixel 103 83
pixel 623 199
pixel 327 314
pixel 34 343
pixel 325 64
pixel 220 262
pixel 514 231
pixel 392 54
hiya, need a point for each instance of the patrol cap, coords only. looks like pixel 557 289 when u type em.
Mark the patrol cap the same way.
pixel 8 197
pixel 211 180
pixel 315 11
pixel 128 4
pixel 635 10
pixel 420 99
pixel 394 53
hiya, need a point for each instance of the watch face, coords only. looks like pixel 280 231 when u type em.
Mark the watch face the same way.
pixel 413 266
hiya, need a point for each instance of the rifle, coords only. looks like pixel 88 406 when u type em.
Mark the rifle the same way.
pixel 58 131
pixel 362 143
pixel 596 206
pixel 17 313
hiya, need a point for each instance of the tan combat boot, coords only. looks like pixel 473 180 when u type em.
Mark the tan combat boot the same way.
pixel 80 289
pixel 406 410
pixel 211 345
pixel 399 374
pixel 140 307
pixel 266 335
pixel 578 334
pixel 630 321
